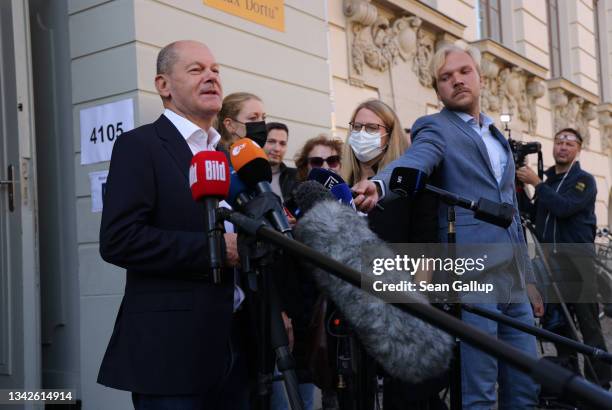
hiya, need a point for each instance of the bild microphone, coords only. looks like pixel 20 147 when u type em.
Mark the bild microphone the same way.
pixel 209 182
pixel 405 346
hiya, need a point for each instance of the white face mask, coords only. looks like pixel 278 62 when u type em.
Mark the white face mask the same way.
pixel 366 146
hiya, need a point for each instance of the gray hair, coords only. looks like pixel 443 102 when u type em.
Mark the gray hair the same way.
pixel 439 59
pixel 166 58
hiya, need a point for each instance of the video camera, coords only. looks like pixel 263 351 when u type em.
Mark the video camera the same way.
pixel 521 149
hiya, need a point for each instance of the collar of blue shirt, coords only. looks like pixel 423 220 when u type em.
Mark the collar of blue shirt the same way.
pixel 485 119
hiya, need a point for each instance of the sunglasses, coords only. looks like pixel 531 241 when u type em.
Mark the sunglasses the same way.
pixel 317 162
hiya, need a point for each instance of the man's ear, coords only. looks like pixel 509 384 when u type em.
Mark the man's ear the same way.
pixel 162 85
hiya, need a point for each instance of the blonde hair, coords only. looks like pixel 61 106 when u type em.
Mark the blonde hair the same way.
pixel 397 145
pixel 439 59
pixel 232 104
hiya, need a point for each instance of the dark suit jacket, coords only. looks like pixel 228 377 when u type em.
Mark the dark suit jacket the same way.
pixel 172 331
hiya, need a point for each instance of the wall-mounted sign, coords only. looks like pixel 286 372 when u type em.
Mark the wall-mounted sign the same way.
pixel 269 13
pixel 101 126
pixel 97 181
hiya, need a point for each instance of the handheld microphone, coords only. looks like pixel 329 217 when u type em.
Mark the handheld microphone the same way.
pixel 336 185
pixel 209 182
pixel 251 163
pixel 408 182
pixel 238 195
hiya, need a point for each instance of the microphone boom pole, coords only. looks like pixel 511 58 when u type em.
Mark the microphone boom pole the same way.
pixel 554 377
pixel 594 352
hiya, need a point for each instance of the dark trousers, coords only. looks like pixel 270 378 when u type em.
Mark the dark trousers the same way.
pixel 231 392
pixel 587 315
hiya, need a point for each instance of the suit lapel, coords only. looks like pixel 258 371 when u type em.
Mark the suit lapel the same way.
pixel 467 130
pixel 174 143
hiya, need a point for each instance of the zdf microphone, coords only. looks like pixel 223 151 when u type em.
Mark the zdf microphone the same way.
pixel 209 179
pixel 251 163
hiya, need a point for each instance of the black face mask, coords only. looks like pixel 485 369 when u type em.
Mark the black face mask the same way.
pixel 257 131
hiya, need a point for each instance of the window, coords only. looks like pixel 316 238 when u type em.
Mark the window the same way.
pixel 489 19
pixel 552 7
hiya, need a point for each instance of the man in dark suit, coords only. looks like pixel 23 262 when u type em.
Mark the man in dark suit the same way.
pixel 176 342
pixel 473 159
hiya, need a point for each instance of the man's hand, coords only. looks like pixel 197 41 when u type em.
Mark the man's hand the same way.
pixel 528 176
pixel 367 195
pixel 288 329
pixel 231 249
pixel 536 300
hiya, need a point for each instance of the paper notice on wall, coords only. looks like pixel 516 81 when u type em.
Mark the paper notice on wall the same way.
pixel 97 181
pixel 101 126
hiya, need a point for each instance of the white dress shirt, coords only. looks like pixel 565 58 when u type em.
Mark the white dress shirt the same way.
pixel 201 140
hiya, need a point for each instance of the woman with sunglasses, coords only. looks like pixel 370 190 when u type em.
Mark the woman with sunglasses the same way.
pixel 375 139
pixel 318 152
pixel 238 109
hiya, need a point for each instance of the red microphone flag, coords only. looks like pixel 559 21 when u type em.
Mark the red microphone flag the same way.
pixel 209 175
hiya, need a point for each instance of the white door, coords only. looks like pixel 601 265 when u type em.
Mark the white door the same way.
pixel 20 348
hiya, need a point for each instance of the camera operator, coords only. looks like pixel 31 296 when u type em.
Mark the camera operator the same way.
pixel 565 214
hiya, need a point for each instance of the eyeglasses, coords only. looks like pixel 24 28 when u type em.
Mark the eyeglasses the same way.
pixel 370 128
pixel 317 162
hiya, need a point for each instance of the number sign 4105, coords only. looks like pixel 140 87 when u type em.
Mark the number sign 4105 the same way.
pixel 106 133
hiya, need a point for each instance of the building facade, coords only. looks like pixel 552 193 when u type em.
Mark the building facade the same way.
pixel 547 63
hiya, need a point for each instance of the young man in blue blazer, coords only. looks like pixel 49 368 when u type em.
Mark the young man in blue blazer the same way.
pixel 472 159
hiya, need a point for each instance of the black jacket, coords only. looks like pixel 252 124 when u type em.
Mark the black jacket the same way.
pixel 287 180
pixel 407 220
pixel 571 211
pixel 172 332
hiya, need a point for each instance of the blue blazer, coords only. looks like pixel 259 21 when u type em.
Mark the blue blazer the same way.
pixel 444 142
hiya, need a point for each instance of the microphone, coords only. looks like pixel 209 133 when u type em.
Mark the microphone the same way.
pixel 251 163
pixel 336 185
pixel 405 346
pixel 209 182
pixel 238 195
pixel 309 193
pixel 409 181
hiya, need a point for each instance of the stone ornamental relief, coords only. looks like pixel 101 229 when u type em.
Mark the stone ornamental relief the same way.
pixel 380 44
pixel 510 90
pixel 605 127
pixel 572 111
